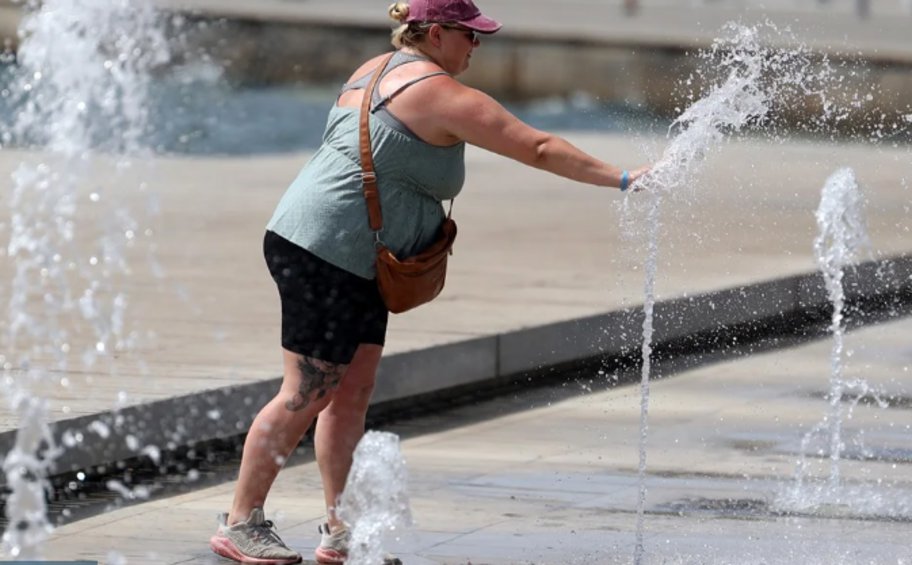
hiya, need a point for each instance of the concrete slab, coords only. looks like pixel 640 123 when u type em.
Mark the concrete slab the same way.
pixel 549 476
pixel 530 285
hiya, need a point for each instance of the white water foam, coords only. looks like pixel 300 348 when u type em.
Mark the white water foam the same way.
pixel 84 67
pixel 25 466
pixel 754 80
pixel 375 503
pixel 841 239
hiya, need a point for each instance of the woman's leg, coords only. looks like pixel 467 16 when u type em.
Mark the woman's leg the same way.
pixel 307 387
pixel 341 425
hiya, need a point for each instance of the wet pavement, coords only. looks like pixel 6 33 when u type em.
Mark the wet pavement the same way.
pixel 550 475
pixel 534 250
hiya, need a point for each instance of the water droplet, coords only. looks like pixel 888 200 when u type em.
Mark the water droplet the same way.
pixel 68 438
pixel 152 452
pixel 132 442
pixel 100 428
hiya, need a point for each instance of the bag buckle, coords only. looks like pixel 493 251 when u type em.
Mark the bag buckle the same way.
pixel 368 177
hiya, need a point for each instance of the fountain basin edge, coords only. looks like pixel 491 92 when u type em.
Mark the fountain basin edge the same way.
pixel 526 355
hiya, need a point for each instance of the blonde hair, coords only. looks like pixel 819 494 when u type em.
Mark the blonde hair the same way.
pixel 406 34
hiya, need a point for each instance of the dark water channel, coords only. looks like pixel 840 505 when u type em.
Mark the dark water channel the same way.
pixel 195 115
pixel 196 112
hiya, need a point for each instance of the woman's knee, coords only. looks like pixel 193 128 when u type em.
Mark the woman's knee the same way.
pixel 310 383
pixel 358 383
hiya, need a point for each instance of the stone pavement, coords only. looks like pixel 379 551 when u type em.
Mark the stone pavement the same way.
pixel 548 476
pixel 533 250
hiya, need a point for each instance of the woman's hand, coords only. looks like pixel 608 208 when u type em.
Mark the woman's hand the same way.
pixel 635 175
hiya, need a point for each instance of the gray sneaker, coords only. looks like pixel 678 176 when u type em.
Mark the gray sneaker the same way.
pixel 333 549
pixel 252 541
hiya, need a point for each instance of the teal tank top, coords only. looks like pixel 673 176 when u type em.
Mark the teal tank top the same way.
pixel 323 210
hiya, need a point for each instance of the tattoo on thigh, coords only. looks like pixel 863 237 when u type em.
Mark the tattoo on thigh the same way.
pixel 317 379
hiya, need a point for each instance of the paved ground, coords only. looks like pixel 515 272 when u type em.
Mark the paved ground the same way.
pixel 565 484
pixel 723 445
pixel 533 249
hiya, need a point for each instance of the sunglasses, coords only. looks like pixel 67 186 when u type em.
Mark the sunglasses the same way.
pixel 469 34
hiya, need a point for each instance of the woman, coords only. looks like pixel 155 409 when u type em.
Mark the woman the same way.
pixel 320 250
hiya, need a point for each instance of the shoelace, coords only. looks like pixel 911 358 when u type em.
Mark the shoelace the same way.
pixel 265 531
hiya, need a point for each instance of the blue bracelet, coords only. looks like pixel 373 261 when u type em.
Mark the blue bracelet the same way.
pixel 625 180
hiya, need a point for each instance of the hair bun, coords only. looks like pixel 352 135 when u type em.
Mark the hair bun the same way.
pixel 399 12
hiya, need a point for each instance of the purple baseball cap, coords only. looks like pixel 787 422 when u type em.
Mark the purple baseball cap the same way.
pixel 463 12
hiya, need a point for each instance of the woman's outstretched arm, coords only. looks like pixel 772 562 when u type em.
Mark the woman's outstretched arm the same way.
pixel 477 118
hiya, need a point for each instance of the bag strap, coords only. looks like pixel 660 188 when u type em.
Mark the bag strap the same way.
pixel 368 176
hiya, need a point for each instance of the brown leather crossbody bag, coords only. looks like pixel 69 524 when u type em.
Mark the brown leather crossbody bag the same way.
pixel 413 281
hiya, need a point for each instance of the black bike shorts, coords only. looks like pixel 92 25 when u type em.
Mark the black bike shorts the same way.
pixel 327 312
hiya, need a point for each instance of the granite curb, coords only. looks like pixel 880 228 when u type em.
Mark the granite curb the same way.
pixel 112 436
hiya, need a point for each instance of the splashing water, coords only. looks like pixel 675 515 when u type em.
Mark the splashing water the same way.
pixel 375 502
pixel 23 465
pixel 840 241
pixel 754 81
pixel 841 237
pixel 834 497
pixel 83 72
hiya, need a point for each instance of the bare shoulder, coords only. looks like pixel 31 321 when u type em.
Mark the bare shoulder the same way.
pixel 443 93
pixel 460 103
